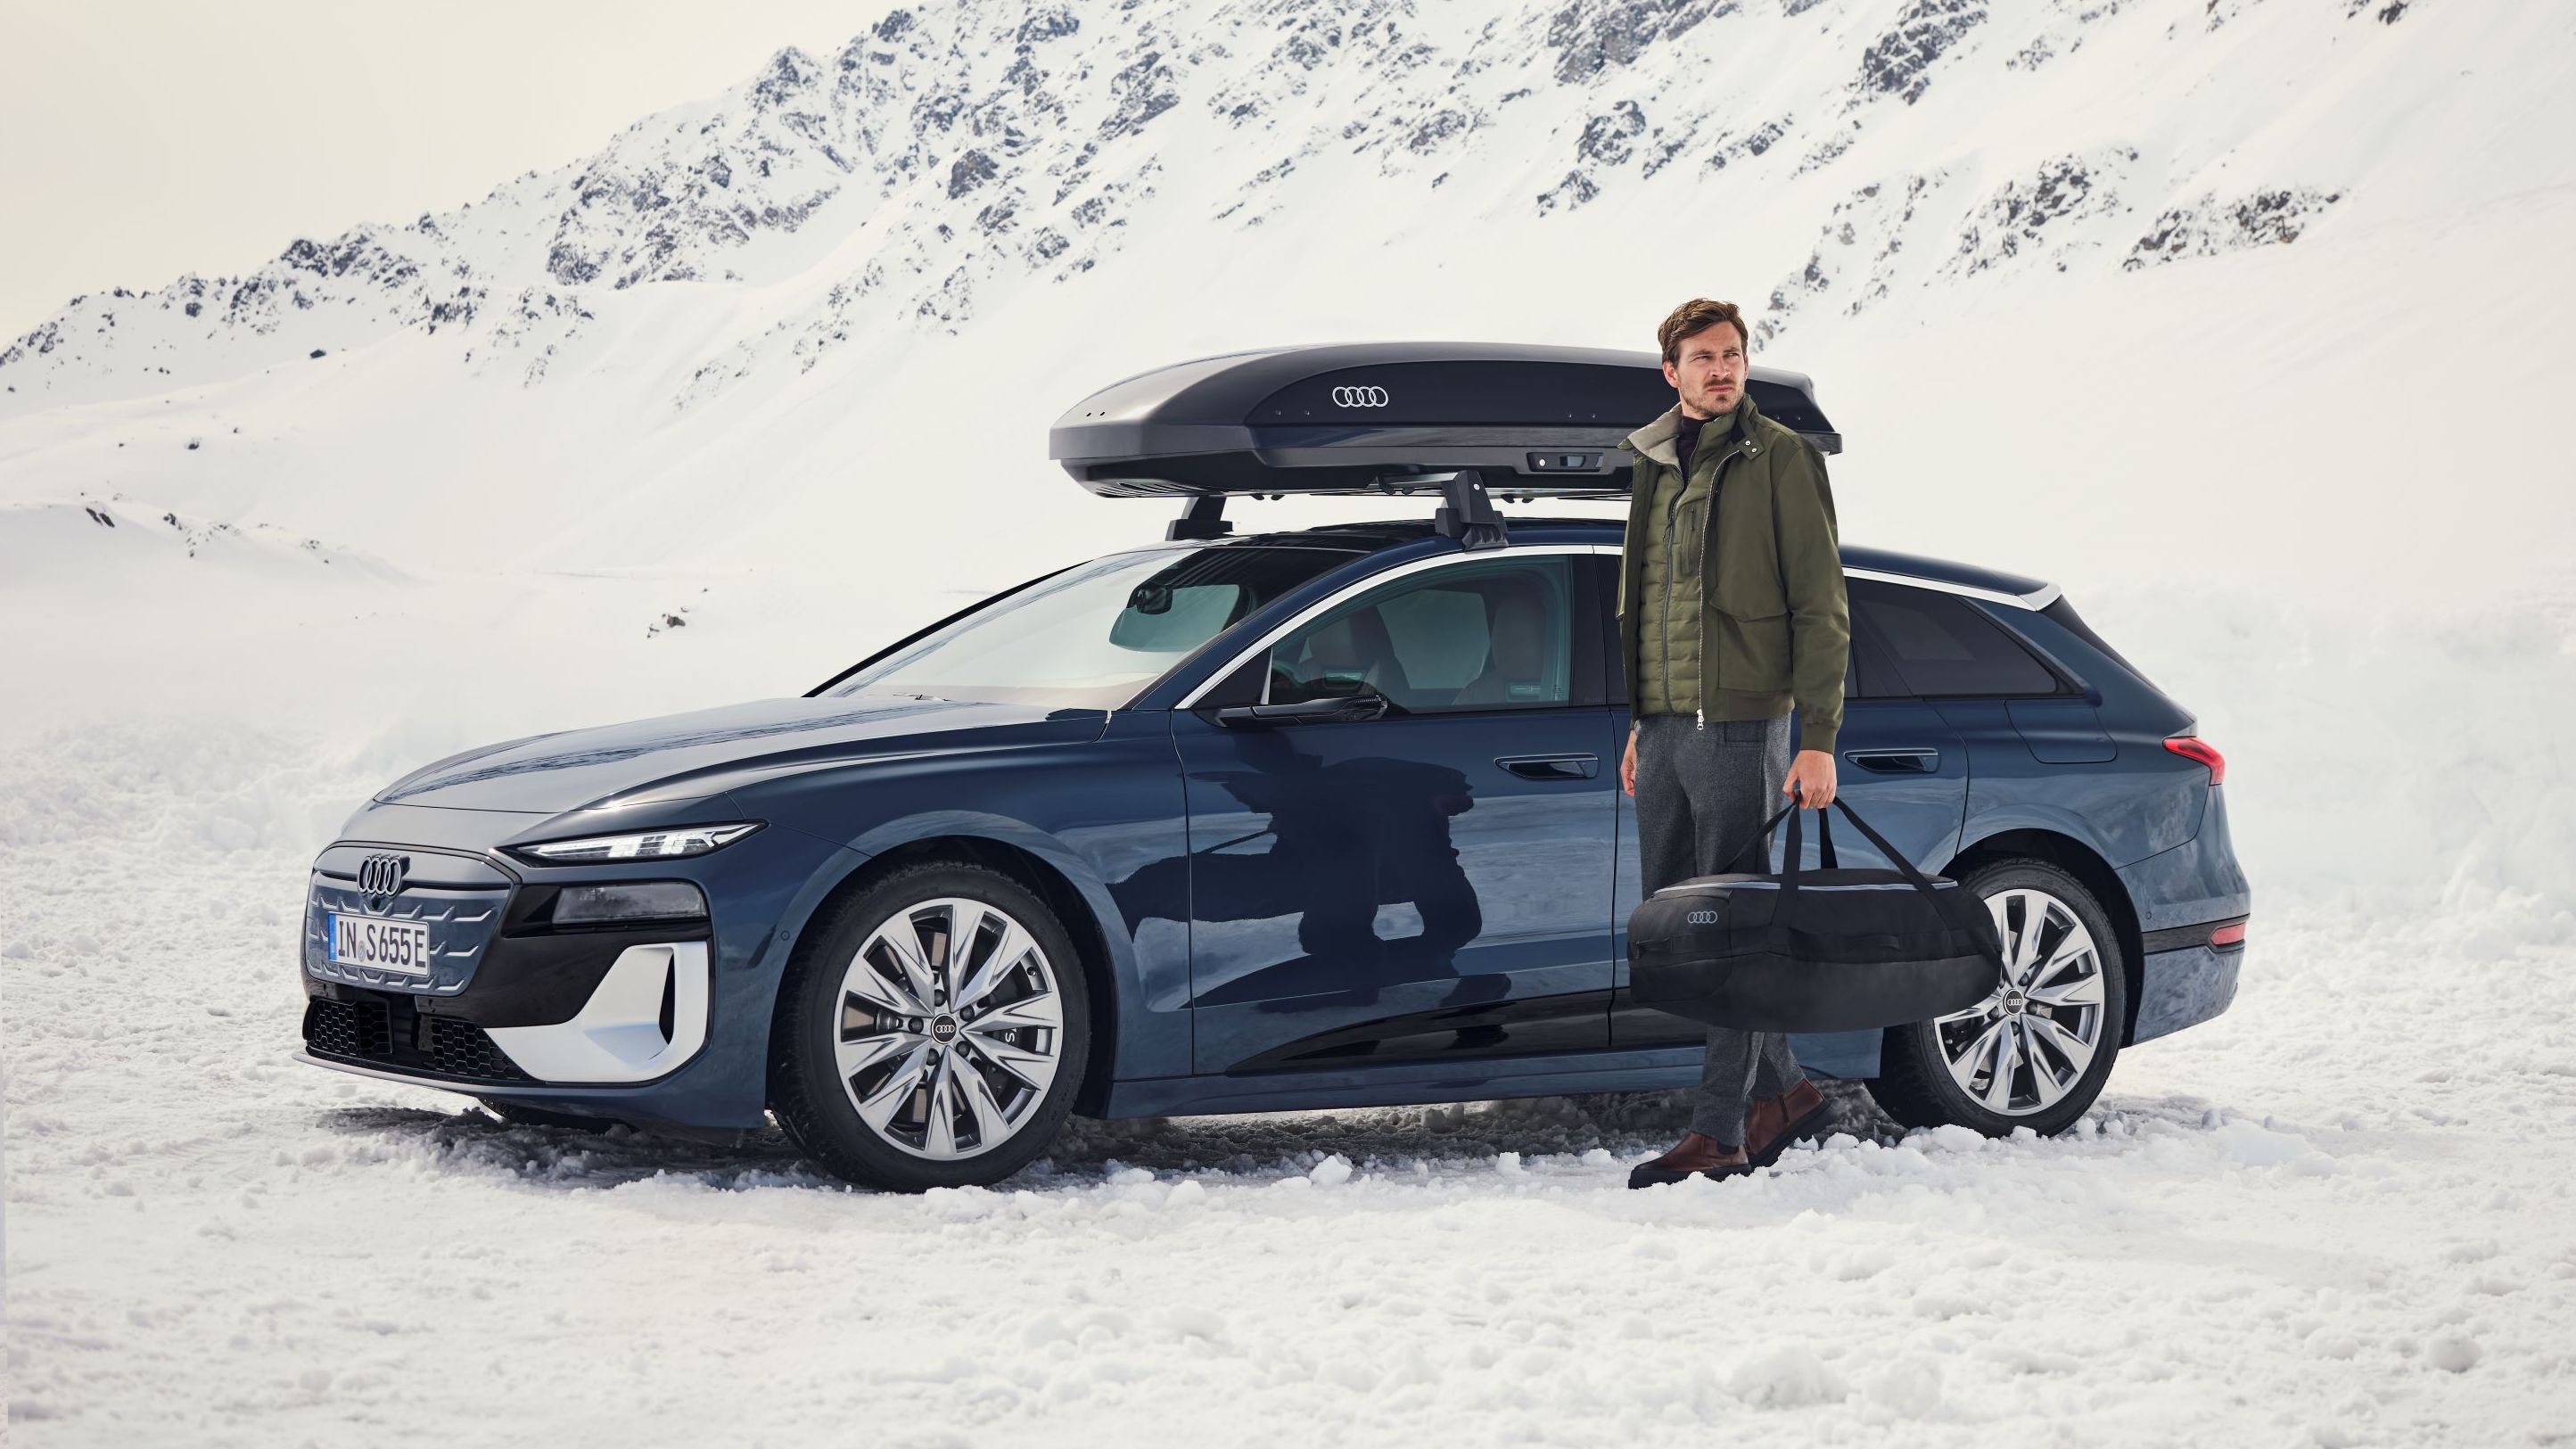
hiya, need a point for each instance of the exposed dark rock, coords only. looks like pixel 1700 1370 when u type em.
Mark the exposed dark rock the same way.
pixel 2210 227
pixel 791 72
pixel 1589 36
pixel 970 171
pixel 1570 193
pixel 1605 138
pixel 1438 127
pixel 2020 214
pixel 1052 23
pixel 1144 90
pixel 1900 63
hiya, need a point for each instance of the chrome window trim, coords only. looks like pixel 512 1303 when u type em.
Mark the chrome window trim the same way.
pixel 1326 605
pixel 2037 599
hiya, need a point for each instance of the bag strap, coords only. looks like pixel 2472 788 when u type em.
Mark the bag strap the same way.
pixel 1790 865
pixel 1825 858
pixel 1947 907
pixel 1761 834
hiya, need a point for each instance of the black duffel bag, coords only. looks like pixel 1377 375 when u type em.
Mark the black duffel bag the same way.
pixel 1814 950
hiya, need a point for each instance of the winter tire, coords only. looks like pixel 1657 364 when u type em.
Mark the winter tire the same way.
pixel 934 1029
pixel 2034 1053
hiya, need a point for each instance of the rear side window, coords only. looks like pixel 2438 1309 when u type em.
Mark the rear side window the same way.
pixel 2064 613
pixel 1941 645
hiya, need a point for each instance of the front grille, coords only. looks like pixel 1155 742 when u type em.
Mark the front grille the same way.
pixel 349 1029
pixel 462 1049
pixel 389 1031
pixel 461 924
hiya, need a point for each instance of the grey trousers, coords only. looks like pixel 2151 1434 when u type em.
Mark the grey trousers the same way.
pixel 1701 790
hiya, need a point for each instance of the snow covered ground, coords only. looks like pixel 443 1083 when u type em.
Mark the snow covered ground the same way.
pixel 2308 488
pixel 2340 1214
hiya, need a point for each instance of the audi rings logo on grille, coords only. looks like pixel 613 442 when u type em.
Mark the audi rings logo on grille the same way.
pixel 1359 397
pixel 382 875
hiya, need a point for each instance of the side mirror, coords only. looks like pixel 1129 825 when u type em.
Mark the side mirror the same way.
pixel 1353 710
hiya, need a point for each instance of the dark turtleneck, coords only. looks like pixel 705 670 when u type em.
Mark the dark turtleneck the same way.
pixel 1686 435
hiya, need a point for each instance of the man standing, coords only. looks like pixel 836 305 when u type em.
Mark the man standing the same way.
pixel 1731 612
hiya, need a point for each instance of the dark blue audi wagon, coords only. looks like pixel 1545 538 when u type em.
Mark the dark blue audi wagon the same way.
pixel 1254 822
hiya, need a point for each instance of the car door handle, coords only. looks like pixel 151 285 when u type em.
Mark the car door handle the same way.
pixel 1551 767
pixel 1896 762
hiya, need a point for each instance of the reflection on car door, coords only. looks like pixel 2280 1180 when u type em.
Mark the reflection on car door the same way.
pixel 1431 883
pixel 1902 767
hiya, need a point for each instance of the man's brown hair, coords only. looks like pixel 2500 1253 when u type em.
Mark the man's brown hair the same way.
pixel 1693 315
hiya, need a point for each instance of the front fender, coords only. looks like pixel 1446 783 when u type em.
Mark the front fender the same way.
pixel 1100 812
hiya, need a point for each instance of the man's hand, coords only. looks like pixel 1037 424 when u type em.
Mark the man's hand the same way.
pixel 1810 782
pixel 1628 765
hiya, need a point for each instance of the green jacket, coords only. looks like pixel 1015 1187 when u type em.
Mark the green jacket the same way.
pixel 1668 591
pixel 1774 627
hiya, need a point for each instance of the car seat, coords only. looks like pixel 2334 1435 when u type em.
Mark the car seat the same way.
pixel 1516 660
pixel 1357 643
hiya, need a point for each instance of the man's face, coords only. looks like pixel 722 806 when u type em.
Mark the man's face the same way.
pixel 1710 374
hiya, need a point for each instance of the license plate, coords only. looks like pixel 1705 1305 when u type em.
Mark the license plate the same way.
pixel 400 947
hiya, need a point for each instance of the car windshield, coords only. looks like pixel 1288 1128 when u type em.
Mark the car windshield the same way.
pixel 1093 635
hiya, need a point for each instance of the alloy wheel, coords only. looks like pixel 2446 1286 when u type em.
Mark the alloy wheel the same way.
pixel 950 1029
pixel 2019 1052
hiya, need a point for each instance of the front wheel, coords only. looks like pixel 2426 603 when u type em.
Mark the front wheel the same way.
pixel 2036 1051
pixel 934 1030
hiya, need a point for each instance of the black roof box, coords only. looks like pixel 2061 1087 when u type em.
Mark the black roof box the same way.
pixel 1361 417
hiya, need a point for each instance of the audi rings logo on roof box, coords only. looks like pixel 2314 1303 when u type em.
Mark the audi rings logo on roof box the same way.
pixel 1359 397
pixel 382 875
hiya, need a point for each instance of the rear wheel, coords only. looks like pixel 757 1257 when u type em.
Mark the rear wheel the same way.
pixel 2036 1051
pixel 934 1030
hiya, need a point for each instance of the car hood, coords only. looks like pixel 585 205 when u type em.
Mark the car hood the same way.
pixel 685 756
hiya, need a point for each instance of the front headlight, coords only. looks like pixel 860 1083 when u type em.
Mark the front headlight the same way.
pixel 676 843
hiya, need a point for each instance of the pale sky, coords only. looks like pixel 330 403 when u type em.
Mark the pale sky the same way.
pixel 144 138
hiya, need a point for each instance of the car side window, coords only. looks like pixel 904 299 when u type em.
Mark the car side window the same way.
pixel 1939 645
pixel 1493 634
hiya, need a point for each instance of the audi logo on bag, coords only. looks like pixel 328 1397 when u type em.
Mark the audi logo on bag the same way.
pixel 1359 397
pixel 382 875
pixel 1703 918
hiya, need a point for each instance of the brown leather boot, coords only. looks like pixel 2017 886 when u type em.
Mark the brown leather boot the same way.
pixel 1698 1155
pixel 1772 1123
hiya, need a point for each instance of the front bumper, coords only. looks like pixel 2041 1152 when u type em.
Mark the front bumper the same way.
pixel 663 1024
pixel 644 1018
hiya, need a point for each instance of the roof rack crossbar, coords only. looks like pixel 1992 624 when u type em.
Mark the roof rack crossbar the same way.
pixel 1204 518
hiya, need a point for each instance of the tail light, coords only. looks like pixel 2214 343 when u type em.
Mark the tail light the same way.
pixel 2228 935
pixel 2193 747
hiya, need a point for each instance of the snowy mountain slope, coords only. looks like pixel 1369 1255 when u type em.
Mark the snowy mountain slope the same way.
pixel 943 152
pixel 721 335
